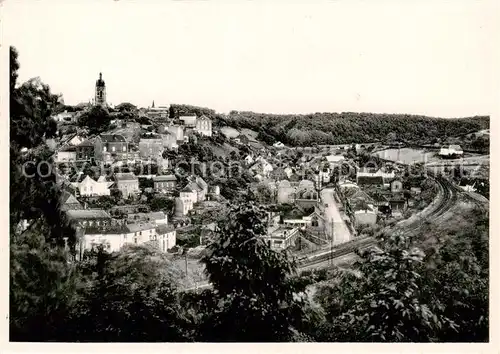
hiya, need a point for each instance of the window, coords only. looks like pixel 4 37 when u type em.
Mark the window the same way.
pixel 135 240
pixel 113 148
pixel 140 233
pixel 104 149
pixel 124 148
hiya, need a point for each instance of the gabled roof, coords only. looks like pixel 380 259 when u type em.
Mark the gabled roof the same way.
pixel 87 214
pixel 68 198
pixel 194 186
pixel 136 227
pixel 165 178
pixel 187 189
pixel 201 182
pixel 355 193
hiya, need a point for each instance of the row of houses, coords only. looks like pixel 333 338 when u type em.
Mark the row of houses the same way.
pixel 112 147
pixel 127 183
pixel 97 228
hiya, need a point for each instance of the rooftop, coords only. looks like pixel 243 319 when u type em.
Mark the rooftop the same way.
pixel 135 227
pixel 125 177
pixel 87 214
pixel 112 138
pixel 165 178
pixel 163 229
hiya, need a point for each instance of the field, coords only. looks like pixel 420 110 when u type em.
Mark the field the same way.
pixel 408 155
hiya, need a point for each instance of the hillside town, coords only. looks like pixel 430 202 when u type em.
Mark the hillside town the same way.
pixel 259 173
pixel 128 185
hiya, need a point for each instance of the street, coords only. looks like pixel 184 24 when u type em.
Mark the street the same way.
pixel 341 233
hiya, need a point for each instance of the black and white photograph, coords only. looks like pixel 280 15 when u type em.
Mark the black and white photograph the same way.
pixel 248 171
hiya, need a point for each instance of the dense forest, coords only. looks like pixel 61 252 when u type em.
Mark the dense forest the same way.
pixel 347 127
pixel 341 128
pixel 399 292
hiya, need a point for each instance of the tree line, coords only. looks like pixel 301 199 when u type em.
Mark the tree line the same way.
pixel 349 127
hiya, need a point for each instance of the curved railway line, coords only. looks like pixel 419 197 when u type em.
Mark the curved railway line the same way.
pixel 444 201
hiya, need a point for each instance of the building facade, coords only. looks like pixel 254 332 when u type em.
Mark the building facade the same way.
pixel 89 187
pixel 204 126
pixel 164 183
pixel 127 184
pixel 111 147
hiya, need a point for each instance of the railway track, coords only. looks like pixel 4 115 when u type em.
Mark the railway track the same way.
pixel 447 197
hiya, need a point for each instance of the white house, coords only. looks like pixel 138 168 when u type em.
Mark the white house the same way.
pixel 451 150
pixel 281 237
pixel 114 238
pixel 72 140
pixel 279 145
pixel 184 203
pixel 249 159
pixel 89 187
pixel 67 154
pixel 204 125
pixel 165 237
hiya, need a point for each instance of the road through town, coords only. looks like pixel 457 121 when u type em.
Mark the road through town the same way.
pixel 333 217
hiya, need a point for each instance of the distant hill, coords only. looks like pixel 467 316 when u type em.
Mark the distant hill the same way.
pixel 341 128
pixel 345 128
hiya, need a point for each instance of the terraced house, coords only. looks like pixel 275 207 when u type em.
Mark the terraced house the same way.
pixel 111 147
pixel 164 183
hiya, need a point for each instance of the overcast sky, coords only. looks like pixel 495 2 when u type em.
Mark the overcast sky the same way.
pixel 428 57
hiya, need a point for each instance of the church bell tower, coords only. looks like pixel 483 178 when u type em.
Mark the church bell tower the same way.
pixel 100 92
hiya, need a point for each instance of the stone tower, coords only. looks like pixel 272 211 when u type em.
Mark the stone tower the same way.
pixel 100 91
